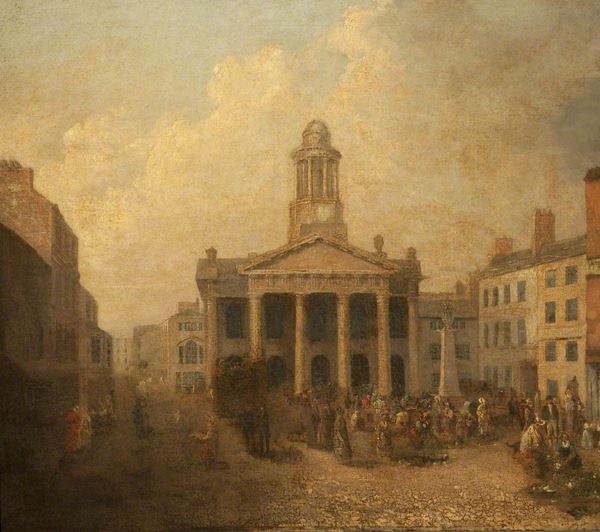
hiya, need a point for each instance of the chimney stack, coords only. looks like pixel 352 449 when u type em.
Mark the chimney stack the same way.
pixel 543 230
pixel 592 212
pixel 211 256
pixel 502 246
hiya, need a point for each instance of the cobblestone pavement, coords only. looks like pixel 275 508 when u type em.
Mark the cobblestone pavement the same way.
pixel 149 485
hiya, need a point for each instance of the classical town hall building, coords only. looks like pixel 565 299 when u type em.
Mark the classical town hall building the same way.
pixel 317 309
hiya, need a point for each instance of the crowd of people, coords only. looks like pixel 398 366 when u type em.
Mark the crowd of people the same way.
pixel 551 433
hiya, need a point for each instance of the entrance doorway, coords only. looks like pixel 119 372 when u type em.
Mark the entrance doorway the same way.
pixel 319 370
pixel 359 372
pixel 276 371
pixel 397 366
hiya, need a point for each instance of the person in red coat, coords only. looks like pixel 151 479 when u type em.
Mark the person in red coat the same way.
pixel 73 421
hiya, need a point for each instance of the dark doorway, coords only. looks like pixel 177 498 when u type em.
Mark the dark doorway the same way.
pixel 276 371
pixel 359 371
pixel 397 375
pixel 319 370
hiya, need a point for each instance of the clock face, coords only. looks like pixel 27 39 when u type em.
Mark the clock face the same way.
pixel 323 212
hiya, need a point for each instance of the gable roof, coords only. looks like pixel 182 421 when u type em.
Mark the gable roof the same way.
pixel 266 260
pixel 519 260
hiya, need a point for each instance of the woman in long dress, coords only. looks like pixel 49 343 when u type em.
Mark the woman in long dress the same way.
pixel 341 440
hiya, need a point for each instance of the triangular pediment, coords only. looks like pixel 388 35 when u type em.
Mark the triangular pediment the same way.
pixel 319 254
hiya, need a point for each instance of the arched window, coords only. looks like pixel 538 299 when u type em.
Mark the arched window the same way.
pixel 191 352
pixel 234 320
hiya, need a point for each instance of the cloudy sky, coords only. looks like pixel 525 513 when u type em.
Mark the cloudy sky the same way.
pixel 162 128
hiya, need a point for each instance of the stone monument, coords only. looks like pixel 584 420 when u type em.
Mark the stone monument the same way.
pixel 449 387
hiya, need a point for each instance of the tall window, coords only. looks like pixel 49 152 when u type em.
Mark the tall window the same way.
pixel 435 351
pixel 463 351
pixel 550 351
pixel 191 352
pixel 552 387
pixel 506 294
pixel 571 354
pixel 274 318
pixel 486 335
pixel 435 382
pixel 486 297
pixel 495 378
pixel 317 320
pixel 571 309
pixel 234 320
pixel 495 296
pixel 570 274
pixel 181 354
pixel 496 333
pixel 96 349
pixel 487 374
pixel 507 333
pixel 359 320
pixel 521 290
pixel 551 312
pixel 550 278
pixel 398 317
pixel 521 332
pixel 507 377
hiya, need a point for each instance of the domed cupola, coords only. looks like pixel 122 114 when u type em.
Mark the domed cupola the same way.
pixel 316 135
pixel 317 207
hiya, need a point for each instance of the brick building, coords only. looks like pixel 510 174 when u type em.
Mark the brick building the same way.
pixel 40 223
pixel 95 353
pixel 35 388
pixel 318 309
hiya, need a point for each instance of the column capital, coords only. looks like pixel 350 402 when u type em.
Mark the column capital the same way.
pixel 382 296
pixel 342 297
pixel 255 295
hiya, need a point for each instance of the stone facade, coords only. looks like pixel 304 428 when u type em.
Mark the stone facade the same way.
pixel 464 306
pixel 122 354
pixel 534 308
pixel 148 357
pixel 508 325
pixel 182 345
pixel 317 309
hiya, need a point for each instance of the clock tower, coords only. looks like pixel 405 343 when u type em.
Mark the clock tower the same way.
pixel 317 207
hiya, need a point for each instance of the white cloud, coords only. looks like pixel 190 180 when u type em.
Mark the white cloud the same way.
pixel 440 110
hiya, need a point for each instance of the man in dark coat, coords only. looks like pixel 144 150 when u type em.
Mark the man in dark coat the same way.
pixel 248 428
pixel 262 427
pixel 550 415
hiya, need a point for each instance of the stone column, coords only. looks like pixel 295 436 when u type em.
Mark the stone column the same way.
pixel 414 387
pixel 299 371
pixel 310 179
pixel 449 387
pixel 343 342
pixel 211 339
pixel 325 176
pixel 256 347
pixel 384 385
